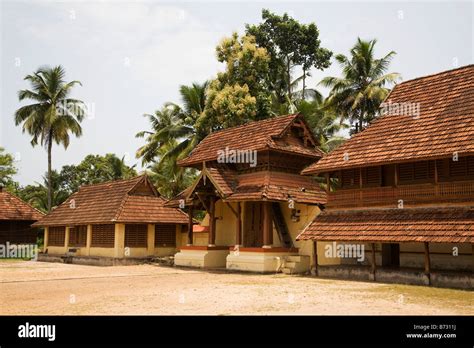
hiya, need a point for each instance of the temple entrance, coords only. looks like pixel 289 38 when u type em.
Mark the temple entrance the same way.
pixel 391 255
pixel 253 226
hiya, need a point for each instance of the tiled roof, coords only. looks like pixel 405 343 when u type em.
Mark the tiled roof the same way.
pixel 445 125
pixel 277 186
pixel 13 208
pixel 435 225
pixel 260 185
pixel 132 200
pixel 149 209
pixel 257 135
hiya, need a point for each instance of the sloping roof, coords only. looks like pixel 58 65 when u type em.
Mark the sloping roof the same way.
pixel 253 136
pixel 445 125
pixel 13 208
pixel 114 201
pixel 435 225
pixel 258 186
pixel 277 186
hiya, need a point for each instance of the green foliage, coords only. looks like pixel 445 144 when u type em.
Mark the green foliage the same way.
pixel 94 169
pixel 53 115
pixel 290 44
pixel 7 168
pixel 183 125
pixel 240 93
pixel 357 95
pixel 37 195
pixel 324 123
pixel 167 176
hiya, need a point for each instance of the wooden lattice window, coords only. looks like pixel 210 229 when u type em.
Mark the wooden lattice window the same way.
pixel 103 236
pixel 136 236
pixel 350 178
pixel 78 236
pixel 56 235
pixel 462 168
pixel 422 171
pixel 165 235
pixel 371 176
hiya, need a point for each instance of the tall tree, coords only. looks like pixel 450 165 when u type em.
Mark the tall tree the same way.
pixel 183 123
pixel 357 95
pixel 94 169
pixel 53 116
pixel 168 177
pixel 7 168
pixel 289 44
pixel 37 195
pixel 240 93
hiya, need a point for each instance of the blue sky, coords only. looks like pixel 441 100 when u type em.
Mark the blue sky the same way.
pixel 131 57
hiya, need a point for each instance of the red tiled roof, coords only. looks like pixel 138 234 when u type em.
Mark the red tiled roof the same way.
pixel 277 186
pixel 132 200
pixel 434 225
pixel 13 208
pixel 445 125
pixel 260 185
pixel 253 136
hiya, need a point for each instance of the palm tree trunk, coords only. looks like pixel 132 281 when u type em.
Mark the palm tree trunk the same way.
pixel 304 84
pixel 288 76
pixel 50 184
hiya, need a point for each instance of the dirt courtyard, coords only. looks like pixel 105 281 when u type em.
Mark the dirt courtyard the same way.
pixel 39 288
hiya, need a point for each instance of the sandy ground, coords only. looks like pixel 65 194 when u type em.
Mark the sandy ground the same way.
pixel 35 288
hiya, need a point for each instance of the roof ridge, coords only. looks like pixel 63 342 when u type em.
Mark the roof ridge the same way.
pixel 126 195
pixel 115 181
pixel 435 74
pixel 253 122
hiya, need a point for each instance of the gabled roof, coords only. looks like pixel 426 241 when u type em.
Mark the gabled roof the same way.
pixel 13 208
pixel 445 125
pixel 257 186
pixel 133 200
pixel 252 136
pixel 434 225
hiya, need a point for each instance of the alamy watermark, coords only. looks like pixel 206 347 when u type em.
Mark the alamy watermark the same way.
pixel 237 156
pixel 406 109
pixel 65 108
pixel 346 251
pixel 19 251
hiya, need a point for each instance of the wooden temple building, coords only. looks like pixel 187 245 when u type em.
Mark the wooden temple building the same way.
pixel 404 187
pixel 16 218
pixel 117 219
pixel 255 199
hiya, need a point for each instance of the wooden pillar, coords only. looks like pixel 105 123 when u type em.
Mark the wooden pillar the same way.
pixel 373 264
pixel 46 239
pixel 396 175
pixel 436 177
pixel 238 230
pixel 315 257
pixel 267 225
pixel 212 221
pixel 190 225
pixel 427 262
pixel 66 237
pixel 88 240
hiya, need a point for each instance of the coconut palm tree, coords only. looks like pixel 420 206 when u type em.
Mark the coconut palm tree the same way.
pixel 168 177
pixel 323 122
pixel 184 123
pixel 53 115
pixel 357 95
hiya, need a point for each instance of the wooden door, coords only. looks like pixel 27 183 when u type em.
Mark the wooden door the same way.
pixel 253 229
